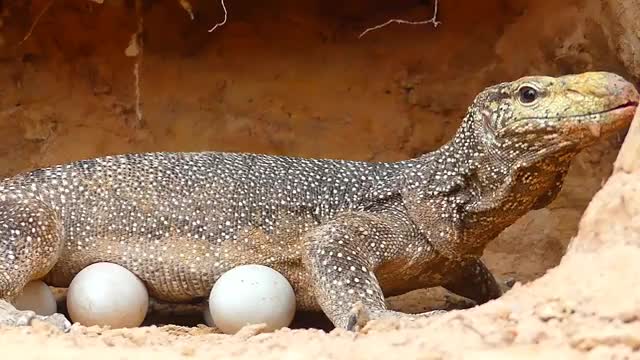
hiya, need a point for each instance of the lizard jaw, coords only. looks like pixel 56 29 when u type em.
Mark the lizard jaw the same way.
pixel 623 111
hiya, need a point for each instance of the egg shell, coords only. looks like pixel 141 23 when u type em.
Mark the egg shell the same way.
pixel 107 294
pixel 37 297
pixel 251 294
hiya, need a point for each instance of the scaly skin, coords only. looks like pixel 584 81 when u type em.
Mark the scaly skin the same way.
pixel 345 233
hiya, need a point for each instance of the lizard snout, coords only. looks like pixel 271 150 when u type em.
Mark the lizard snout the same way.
pixel 603 85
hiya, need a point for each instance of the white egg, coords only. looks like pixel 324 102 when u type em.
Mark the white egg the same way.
pixel 251 294
pixel 37 297
pixel 207 317
pixel 107 294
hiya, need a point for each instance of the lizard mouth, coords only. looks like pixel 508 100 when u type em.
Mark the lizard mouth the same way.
pixel 628 104
pixel 620 112
pixel 594 123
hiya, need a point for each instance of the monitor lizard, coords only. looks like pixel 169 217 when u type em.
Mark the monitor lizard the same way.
pixel 344 233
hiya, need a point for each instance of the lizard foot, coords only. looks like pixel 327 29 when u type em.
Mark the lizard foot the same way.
pixel 10 316
pixel 509 282
pixel 359 316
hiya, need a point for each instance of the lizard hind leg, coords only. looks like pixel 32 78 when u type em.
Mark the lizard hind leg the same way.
pixel 30 244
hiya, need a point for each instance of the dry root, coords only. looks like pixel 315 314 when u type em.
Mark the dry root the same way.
pixel 224 21
pixel 433 21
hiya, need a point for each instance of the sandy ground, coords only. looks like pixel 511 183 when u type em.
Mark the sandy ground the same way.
pixel 583 308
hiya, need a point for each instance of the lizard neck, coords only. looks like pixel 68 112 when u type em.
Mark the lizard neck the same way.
pixel 467 192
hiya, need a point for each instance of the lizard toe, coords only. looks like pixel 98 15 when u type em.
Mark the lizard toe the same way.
pixel 358 316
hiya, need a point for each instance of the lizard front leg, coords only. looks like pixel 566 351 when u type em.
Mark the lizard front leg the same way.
pixel 30 243
pixel 341 267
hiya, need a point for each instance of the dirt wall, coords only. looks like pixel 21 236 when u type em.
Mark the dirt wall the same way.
pixel 294 78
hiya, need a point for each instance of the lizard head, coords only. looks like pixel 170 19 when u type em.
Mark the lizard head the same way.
pixel 539 114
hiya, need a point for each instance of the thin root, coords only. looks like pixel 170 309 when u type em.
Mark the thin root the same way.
pixel 36 21
pixel 433 21
pixel 136 67
pixel 224 21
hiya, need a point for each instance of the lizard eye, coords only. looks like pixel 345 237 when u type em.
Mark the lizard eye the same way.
pixel 527 94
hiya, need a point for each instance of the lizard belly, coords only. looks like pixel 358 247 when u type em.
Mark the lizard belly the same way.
pixel 185 270
pixel 180 272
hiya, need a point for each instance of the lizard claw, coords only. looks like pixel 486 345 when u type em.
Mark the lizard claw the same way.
pixel 358 317
pixel 12 317
pixel 510 282
pixel 351 324
pixel 506 284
